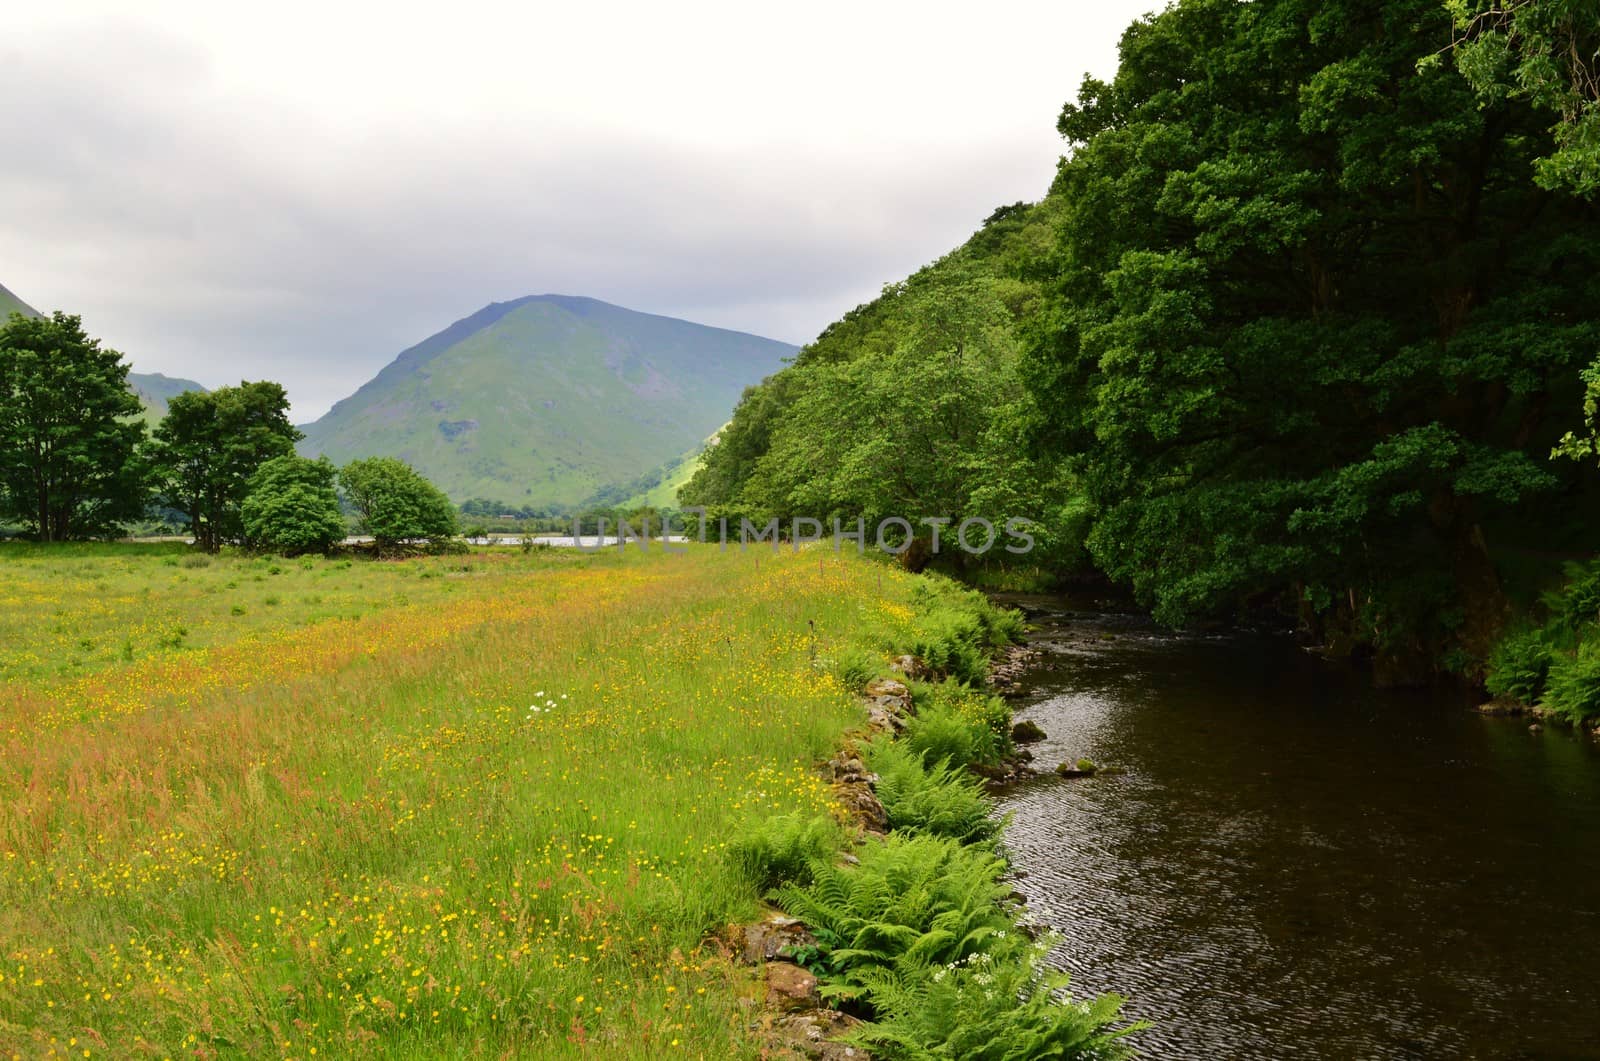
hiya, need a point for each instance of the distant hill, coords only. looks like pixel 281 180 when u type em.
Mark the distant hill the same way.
pixel 156 390
pixel 10 304
pixel 547 399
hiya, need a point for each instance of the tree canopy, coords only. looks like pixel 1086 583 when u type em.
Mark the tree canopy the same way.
pixel 1309 310
pixel 210 444
pixel 395 504
pixel 292 506
pixel 69 440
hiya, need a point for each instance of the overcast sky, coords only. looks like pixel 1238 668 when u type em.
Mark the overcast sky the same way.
pixel 298 192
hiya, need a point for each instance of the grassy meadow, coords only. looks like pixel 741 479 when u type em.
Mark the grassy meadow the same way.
pixel 457 806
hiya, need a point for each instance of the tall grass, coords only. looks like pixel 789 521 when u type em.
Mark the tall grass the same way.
pixel 450 807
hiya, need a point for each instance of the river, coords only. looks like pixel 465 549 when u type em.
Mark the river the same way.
pixel 1298 865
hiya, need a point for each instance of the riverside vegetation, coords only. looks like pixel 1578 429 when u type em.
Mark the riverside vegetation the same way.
pixel 480 804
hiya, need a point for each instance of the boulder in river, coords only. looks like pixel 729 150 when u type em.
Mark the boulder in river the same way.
pixel 1026 732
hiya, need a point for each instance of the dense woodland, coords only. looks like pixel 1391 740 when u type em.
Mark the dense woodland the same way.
pixel 1306 310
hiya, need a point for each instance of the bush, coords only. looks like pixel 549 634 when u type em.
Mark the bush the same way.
pixel 1573 688
pixel 937 799
pixel 397 505
pixel 1519 666
pixel 783 849
pixel 291 507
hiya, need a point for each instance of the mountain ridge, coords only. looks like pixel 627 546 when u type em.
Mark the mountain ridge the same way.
pixel 547 398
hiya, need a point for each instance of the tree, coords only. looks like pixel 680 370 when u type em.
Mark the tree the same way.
pixel 292 506
pixel 395 504
pixel 1546 52
pixel 69 446
pixel 1309 312
pixel 210 444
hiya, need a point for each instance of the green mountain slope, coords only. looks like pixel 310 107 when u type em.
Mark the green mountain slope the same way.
pixel 10 304
pixel 546 399
pixel 155 390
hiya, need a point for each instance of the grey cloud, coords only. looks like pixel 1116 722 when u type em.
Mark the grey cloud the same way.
pixel 224 237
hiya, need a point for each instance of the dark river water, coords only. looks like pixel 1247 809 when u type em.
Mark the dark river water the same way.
pixel 1298 865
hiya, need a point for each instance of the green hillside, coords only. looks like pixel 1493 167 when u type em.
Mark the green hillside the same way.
pixel 10 304
pixel 547 399
pixel 156 390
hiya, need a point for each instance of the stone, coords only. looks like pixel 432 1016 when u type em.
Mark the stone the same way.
pixel 811 1034
pixel 1026 732
pixel 791 987
pixel 768 940
pixel 888 687
pixel 910 666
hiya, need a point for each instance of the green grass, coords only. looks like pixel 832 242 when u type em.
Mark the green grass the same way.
pixel 451 807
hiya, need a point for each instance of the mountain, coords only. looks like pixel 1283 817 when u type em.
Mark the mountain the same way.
pixel 10 304
pixel 155 390
pixel 547 399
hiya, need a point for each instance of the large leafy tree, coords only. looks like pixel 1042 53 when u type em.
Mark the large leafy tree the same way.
pixel 910 406
pixel 69 464
pixel 210 444
pixel 1310 309
pixel 292 506
pixel 396 504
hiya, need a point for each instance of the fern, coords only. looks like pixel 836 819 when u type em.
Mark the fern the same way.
pixel 986 1010
pixel 939 800
pixel 911 903
pixel 785 848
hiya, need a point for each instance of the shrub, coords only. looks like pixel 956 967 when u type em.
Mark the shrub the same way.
pixel 1519 666
pixel 936 799
pixel 292 507
pixel 1573 688
pixel 783 849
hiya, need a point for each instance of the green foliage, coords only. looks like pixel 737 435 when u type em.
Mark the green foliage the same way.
pixel 957 628
pixel 1519 666
pixel 208 447
pixel 946 731
pixel 911 903
pixel 1573 688
pixel 292 507
pixel 395 504
pixel 1546 52
pixel 911 406
pixel 1307 313
pixel 933 798
pixel 69 452
pixel 784 849
pixel 855 667
pixel 1578 603
pixel 923 933
pixel 983 1010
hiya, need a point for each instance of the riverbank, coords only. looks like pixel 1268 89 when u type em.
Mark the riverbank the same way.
pixel 448 806
pixel 903 934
